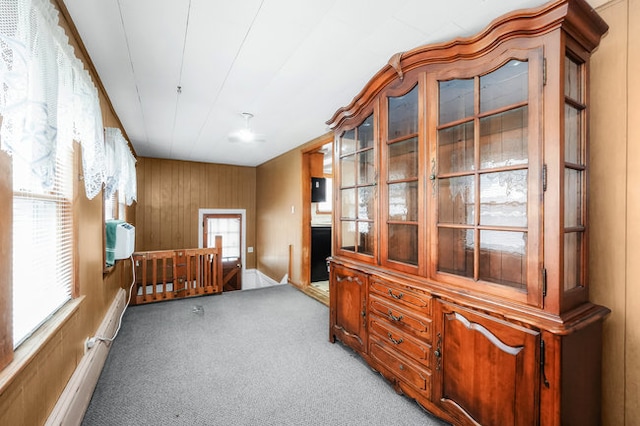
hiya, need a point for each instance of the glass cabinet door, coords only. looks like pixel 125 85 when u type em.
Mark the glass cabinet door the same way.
pixel 401 203
pixel 483 158
pixel 357 184
pixel 574 170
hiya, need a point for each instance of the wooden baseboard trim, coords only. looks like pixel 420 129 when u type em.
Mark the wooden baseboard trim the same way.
pixel 74 400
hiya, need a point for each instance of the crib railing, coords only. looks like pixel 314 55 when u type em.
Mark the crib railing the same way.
pixel 176 274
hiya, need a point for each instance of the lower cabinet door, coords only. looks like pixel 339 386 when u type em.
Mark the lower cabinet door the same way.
pixel 485 370
pixel 348 304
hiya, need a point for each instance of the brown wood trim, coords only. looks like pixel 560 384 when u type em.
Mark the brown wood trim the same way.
pixel 319 295
pixel 6 260
pixel 307 152
pixel 290 266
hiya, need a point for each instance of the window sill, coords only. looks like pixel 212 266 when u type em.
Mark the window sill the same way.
pixel 29 349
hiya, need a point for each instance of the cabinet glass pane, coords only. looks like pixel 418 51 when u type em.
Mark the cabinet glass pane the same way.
pixel 365 133
pixel 365 202
pixel 503 258
pixel 347 171
pixel 455 251
pixel 403 201
pixel 403 114
pixel 348 235
pixel 348 204
pixel 503 139
pixel 455 100
pixel 572 197
pixel 366 170
pixel 455 148
pixel 572 260
pixel 365 232
pixel 505 86
pixel 572 135
pixel 403 243
pixel 403 159
pixel 503 198
pixel 348 142
pixel 456 200
pixel 572 80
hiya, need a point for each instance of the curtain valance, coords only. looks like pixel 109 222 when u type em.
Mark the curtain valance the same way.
pixel 121 167
pixel 47 98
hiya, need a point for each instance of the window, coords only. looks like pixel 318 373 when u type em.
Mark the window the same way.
pixel 115 207
pixel 229 227
pixel 42 244
pixel 326 206
pixel 111 207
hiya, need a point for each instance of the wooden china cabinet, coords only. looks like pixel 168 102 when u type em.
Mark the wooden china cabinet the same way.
pixel 459 267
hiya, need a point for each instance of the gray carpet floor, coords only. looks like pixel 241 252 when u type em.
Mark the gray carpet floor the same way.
pixel 256 357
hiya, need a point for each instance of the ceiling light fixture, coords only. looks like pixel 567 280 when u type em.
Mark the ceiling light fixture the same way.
pixel 246 134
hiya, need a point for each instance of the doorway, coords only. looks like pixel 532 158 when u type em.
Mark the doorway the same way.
pixel 317 217
pixel 229 226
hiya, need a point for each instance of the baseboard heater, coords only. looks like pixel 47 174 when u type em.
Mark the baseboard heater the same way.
pixel 74 400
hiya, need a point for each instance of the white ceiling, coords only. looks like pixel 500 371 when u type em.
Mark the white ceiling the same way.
pixel 291 63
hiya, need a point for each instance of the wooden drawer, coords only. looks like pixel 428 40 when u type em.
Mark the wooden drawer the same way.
pixel 398 340
pixel 404 370
pixel 405 320
pixel 404 295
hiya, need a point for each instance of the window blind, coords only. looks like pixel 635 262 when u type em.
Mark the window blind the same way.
pixel 42 244
pixel 111 207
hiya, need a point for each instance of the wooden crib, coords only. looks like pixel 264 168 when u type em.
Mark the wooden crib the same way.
pixel 175 274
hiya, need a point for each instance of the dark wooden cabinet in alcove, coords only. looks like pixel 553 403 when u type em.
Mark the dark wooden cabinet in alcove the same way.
pixel 320 251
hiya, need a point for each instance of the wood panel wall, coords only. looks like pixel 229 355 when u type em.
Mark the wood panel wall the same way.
pixel 171 192
pixel 27 397
pixel 31 384
pixel 279 203
pixel 6 268
pixel 280 214
pixel 614 206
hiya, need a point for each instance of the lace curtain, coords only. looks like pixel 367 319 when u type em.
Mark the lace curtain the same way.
pixel 121 167
pixel 47 98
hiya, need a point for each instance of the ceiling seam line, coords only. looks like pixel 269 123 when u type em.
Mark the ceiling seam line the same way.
pixel 133 71
pixel 224 82
pixel 179 87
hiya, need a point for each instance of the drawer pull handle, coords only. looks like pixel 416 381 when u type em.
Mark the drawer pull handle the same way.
pixel 394 318
pixel 348 278
pixel 394 341
pixel 437 353
pixel 396 296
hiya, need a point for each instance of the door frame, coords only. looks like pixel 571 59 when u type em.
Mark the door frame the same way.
pixel 243 242
pixel 305 278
